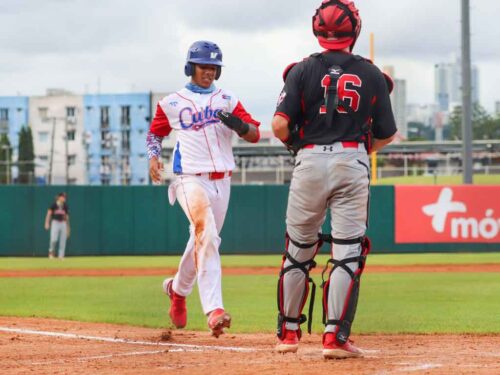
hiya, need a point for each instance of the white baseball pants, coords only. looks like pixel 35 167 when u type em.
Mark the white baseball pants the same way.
pixel 205 203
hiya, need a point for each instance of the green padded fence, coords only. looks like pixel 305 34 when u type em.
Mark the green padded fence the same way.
pixel 137 220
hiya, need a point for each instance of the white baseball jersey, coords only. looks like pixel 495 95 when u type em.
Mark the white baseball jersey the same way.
pixel 203 141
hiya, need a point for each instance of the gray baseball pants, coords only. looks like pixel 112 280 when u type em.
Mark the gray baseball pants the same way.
pixel 325 177
pixel 58 234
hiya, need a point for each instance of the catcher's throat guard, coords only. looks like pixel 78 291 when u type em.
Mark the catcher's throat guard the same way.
pixel 332 93
pixel 344 323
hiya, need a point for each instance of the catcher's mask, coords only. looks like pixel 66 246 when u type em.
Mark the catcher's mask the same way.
pixel 203 52
pixel 336 24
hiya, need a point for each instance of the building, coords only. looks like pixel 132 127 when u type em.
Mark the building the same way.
pixel 56 121
pixel 497 108
pixel 115 137
pixel 448 83
pixel 13 116
pixel 422 113
pixel 398 102
pixel 399 106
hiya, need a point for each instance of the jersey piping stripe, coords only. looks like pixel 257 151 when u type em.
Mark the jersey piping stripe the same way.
pixel 284 115
pixel 209 151
pixel 215 127
pixel 217 136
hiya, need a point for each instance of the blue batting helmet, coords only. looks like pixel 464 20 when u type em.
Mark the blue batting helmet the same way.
pixel 203 52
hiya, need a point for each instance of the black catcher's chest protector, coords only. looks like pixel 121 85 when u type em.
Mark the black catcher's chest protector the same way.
pixel 316 82
pixel 333 101
pixel 335 96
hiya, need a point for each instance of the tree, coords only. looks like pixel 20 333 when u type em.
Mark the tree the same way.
pixel 484 126
pixel 5 160
pixel 26 159
pixel 418 131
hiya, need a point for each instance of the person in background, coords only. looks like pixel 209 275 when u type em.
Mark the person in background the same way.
pixel 57 220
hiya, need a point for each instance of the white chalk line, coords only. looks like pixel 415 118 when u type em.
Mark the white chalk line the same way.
pixel 125 341
pixel 420 367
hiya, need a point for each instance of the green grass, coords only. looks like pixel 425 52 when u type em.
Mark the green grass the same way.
pixel 103 262
pixel 389 303
pixel 479 179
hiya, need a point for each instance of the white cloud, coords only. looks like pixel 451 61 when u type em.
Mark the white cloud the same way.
pixel 142 45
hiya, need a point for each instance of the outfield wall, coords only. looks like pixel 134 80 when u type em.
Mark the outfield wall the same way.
pixel 137 220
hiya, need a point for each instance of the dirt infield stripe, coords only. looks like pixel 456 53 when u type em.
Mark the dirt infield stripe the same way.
pixel 158 271
pixel 124 341
pixel 95 357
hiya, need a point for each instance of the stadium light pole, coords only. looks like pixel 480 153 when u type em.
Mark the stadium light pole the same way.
pixel 52 145
pixel 7 151
pixel 373 157
pixel 466 96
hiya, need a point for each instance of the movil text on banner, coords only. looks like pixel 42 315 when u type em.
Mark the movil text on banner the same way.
pixel 426 214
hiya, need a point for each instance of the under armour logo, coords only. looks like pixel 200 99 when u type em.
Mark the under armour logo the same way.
pixel 440 210
pixel 213 55
pixel 327 148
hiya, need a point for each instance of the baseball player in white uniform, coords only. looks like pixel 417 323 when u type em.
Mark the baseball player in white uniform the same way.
pixel 204 119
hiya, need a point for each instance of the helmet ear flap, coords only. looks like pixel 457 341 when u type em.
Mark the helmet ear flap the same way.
pixel 218 72
pixel 188 69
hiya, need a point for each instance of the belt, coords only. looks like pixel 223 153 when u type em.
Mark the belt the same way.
pixel 334 148
pixel 345 144
pixel 216 175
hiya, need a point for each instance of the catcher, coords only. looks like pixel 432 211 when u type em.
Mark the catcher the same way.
pixel 332 112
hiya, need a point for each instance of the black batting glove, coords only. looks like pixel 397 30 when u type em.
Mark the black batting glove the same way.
pixel 234 122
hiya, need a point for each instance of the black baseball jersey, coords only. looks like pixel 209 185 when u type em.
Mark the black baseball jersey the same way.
pixel 362 85
pixel 59 213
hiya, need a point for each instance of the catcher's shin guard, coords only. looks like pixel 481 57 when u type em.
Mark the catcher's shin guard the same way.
pixel 344 322
pixel 300 257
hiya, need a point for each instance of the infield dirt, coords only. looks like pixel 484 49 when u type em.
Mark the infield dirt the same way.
pixel 27 349
pixel 162 271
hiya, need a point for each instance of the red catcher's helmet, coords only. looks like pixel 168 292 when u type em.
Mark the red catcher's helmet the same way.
pixel 336 24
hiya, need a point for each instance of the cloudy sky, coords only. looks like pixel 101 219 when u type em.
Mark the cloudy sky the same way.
pixel 131 45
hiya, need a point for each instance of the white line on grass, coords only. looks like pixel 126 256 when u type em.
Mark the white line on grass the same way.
pixel 125 341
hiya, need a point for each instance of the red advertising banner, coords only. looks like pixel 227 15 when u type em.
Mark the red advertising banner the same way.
pixel 426 214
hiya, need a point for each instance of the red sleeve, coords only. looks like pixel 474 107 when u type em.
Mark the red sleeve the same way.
pixel 241 112
pixel 160 125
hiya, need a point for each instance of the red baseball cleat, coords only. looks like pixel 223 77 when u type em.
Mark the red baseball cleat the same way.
pixel 332 350
pixel 218 319
pixel 290 343
pixel 178 311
